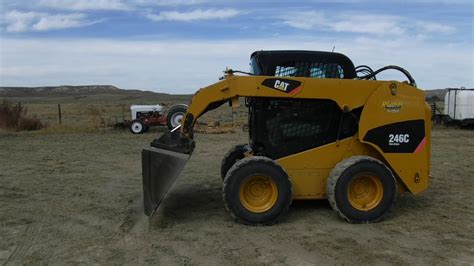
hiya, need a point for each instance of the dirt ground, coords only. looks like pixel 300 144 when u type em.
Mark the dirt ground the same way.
pixel 76 198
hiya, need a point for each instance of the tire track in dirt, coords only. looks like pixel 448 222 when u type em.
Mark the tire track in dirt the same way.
pixel 30 237
pixel 132 231
pixel 134 216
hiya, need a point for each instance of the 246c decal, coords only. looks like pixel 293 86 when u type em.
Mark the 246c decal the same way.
pixel 397 139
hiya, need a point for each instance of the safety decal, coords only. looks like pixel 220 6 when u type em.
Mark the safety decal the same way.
pixel 392 107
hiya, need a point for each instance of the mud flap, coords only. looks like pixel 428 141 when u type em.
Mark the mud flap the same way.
pixel 160 169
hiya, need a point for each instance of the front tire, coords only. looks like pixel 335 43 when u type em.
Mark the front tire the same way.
pixel 257 191
pixel 137 127
pixel 361 189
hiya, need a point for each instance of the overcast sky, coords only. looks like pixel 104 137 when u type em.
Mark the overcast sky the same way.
pixel 178 46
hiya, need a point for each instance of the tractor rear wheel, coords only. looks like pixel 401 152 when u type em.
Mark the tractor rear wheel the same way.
pixel 137 127
pixel 175 115
pixel 233 155
pixel 361 189
pixel 257 191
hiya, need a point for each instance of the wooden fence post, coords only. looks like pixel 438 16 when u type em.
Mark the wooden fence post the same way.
pixel 59 113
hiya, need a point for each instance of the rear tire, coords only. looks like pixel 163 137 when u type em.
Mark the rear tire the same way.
pixel 175 115
pixel 233 155
pixel 361 189
pixel 257 191
pixel 137 127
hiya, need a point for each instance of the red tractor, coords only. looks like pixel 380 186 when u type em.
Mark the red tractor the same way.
pixel 144 116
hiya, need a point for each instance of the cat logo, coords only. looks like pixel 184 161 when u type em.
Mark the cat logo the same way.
pixel 281 85
pixel 289 86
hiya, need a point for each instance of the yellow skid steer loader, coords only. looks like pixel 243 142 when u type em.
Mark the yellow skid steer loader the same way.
pixel 319 128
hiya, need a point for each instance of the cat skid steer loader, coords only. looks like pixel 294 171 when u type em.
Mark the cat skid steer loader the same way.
pixel 319 128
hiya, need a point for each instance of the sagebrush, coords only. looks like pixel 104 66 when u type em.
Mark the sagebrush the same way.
pixel 14 117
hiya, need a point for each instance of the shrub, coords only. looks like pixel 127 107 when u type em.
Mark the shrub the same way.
pixel 13 117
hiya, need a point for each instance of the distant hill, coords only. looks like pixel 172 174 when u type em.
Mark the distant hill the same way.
pixel 88 94
pixel 66 90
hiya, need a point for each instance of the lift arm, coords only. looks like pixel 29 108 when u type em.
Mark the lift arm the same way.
pixel 230 89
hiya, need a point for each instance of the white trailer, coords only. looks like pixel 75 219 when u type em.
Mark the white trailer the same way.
pixel 459 106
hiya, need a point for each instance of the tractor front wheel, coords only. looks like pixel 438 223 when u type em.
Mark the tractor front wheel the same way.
pixel 137 127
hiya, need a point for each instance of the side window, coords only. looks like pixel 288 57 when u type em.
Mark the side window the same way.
pixel 285 71
pixel 254 69
pixel 320 70
pixel 309 69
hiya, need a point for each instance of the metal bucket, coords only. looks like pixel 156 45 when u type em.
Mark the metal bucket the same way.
pixel 162 163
